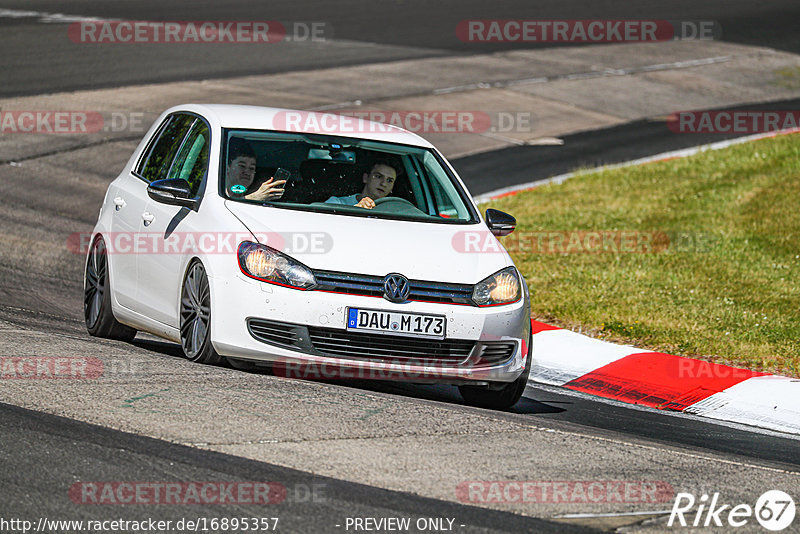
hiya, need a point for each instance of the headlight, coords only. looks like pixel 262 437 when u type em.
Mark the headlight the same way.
pixel 502 287
pixel 268 265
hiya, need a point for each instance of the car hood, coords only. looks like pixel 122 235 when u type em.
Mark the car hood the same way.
pixel 417 250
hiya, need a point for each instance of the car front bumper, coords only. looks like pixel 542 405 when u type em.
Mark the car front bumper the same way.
pixel 238 299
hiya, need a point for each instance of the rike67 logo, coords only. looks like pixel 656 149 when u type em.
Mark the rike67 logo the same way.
pixel 774 510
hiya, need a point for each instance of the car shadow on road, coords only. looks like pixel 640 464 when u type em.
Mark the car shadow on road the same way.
pixel 448 394
pixel 443 393
pixel 425 392
pixel 166 348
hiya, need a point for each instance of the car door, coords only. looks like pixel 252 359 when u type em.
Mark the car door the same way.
pixel 129 198
pixel 131 232
pixel 161 273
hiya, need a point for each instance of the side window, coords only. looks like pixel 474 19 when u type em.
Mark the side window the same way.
pixel 191 163
pixel 157 162
pixel 446 197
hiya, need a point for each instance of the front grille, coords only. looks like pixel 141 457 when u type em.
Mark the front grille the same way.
pixel 344 344
pixel 397 349
pixel 419 290
pixel 356 284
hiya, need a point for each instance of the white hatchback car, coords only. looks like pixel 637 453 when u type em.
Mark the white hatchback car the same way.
pixel 201 242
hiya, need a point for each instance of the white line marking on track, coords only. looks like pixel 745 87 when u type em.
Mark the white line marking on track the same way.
pixel 664 450
pixel 604 73
pixel 616 514
pixel 49 18
pixel 681 415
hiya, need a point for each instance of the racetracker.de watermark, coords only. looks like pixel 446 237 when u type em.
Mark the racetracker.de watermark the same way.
pixel 688 368
pixel 420 369
pixel 733 121
pixel 582 242
pixel 50 368
pixel 70 122
pixel 418 121
pixel 190 492
pixel 200 242
pixel 564 491
pixel 585 31
pixel 365 121
pixel 190 32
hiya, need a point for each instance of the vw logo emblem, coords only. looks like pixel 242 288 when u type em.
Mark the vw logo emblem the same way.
pixel 395 287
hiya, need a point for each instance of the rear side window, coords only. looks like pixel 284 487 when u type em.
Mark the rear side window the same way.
pixel 156 164
pixel 191 163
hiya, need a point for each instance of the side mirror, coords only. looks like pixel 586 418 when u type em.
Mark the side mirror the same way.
pixel 173 191
pixel 500 223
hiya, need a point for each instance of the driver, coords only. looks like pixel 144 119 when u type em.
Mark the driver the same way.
pixel 378 183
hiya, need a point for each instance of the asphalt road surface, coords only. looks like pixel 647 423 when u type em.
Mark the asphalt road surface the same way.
pixel 37 57
pixel 59 452
pixel 575 436
pixel 508 167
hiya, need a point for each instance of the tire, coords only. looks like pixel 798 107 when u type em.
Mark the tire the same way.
pixel 195 315
pixel 497 396
pixel 100 321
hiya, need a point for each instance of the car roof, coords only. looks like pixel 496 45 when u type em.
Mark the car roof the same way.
pixel 293 120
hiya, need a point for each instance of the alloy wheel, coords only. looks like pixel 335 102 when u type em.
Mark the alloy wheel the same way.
pixel 195 311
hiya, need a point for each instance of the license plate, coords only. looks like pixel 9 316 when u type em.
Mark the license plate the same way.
pixel 398 323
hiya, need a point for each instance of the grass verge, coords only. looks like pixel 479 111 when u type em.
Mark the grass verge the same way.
pixel 697 256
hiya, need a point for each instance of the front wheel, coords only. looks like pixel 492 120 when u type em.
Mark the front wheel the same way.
pixel 196 317
pixel 495 397
pixel 100 321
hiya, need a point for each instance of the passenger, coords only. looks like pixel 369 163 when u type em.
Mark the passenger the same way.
pixel 241 171
pixel 378 183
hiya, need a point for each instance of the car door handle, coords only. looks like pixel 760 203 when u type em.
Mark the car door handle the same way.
pixel 147 217
pixel 119 203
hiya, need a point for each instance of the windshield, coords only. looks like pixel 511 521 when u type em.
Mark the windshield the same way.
pixel 340 175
